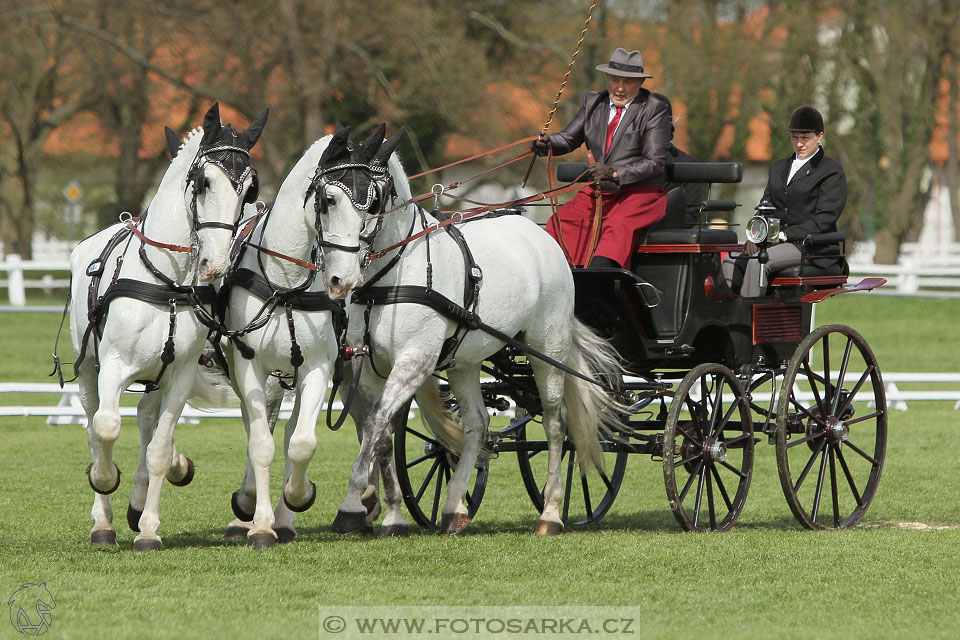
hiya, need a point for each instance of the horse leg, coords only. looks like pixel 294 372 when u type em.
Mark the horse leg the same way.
pixel 148 412
pixel 407 375
pixel 394 525
pixel 466 387
pixel 103 532
pixel 298 491
pixel 550 384
pixel 260 450
pixel 159 458
pixel 103 431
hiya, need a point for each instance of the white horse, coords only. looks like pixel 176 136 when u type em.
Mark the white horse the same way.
pixel 286 326
pixel 138 311
pixel 524 289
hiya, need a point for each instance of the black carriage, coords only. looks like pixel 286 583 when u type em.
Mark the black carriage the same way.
pixel 710 375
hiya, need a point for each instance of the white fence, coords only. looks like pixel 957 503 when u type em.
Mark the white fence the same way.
pixel 915 274
pixel 68 409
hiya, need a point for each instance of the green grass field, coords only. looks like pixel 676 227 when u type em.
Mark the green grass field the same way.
pixel 894 576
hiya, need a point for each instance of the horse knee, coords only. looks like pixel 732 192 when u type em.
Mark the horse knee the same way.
pixel 301 448
pixel 106 425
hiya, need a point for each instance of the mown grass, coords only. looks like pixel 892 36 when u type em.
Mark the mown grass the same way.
pixel 895 576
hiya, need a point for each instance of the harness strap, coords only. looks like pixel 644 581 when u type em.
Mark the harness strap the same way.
pixel 443 305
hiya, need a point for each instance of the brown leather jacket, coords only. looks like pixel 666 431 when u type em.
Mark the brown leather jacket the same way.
pixel 639 146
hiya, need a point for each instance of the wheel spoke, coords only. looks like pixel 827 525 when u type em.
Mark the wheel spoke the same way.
pixel 833 487
pixel 605 479
pixel 869 416
pixel 423 437
pixel 722 488
pixel 686 487
pixel 710 506
pixel 717 407
pixel 808 466
pixel 695 416
pixel 586 496
pixel 812 436
pixel 738 439
pixel 426 481
pixel 850 481
pixel 826 370
pixel 688 436
pixel 842 375
pixel 732 468
pixel 734 406
pixel 819 491
pixel 569 485
pixel 852 395
pixel 805 411
pixel 813 387
pixel 422 458
pixel 686 461
pixel 436 498
pixel 862 453
pixel 699 501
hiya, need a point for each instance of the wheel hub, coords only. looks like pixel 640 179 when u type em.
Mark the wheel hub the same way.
pixel 837 430
pixel 716 451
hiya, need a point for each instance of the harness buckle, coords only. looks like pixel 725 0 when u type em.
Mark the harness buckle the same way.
pixel 350 351
pixel 437 191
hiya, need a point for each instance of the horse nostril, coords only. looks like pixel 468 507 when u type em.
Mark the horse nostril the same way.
pixel 335 281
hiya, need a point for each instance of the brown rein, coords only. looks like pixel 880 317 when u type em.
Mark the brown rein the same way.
pixel 154 243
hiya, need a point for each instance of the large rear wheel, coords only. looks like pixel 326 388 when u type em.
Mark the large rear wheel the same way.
pixel 831 428
pixel 708 449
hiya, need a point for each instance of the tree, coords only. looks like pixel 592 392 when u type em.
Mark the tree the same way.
pixel 42 91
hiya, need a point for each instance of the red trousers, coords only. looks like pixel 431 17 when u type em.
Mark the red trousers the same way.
pixel 625 214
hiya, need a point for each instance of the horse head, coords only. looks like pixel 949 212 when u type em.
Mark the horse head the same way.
pixel 222 180
pixel 350 190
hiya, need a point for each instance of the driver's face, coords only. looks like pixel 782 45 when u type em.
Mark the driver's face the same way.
pixel 623 90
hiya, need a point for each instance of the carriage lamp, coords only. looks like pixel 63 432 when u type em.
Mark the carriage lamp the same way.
pixel 764 227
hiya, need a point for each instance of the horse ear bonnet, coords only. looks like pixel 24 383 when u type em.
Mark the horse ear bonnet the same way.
pixel 360 167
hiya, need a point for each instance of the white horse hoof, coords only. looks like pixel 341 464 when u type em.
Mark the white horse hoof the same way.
pixel 147 544
pixel 187 477
pixel 548 528
pixel 261 540
pixel 453 523
pixel 104 537
pixel 133 518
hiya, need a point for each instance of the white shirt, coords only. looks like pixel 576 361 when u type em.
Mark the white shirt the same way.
pixel 795 166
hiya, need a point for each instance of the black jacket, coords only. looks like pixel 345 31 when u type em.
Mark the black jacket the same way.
pixel 814 199
pixel 639 146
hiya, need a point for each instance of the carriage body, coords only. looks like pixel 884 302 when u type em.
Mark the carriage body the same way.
pixel 709 374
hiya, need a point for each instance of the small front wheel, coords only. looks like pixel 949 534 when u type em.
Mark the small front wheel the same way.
pixel 708 449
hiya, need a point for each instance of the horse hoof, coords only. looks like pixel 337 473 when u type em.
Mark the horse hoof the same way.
pixel 108 491
pixel 453 523
pixel 147 544
pixel 133 518
pixel 238 510
pixel 304 506
pixel 105 537
pixel 548 528
pixel 236 533
pixel 347 522
pixel 187 477
pixel 261 541
pixel 395 531
pixel 285 535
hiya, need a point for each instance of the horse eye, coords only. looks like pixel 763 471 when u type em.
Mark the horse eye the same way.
pixel 331 200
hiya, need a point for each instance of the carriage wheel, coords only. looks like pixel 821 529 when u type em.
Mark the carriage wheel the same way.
pixel 424 468
pixel 831 428
pixel 708 449
pixel 586 498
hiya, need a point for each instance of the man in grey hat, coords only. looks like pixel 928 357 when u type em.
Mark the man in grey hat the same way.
pixel 627 132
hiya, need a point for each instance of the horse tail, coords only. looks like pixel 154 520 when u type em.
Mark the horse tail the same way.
pixel 592 413
pixel 212 389
pixel 439 417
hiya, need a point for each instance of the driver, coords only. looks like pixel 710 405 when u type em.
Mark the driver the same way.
pixel 627 129
pixel 809 190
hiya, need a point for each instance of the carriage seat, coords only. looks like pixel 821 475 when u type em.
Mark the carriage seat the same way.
pixel 827 268
pixel 676 227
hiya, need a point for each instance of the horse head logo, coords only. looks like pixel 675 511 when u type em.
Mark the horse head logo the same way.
pixel 30 609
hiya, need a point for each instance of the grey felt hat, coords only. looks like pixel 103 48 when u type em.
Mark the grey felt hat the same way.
pixel 625 63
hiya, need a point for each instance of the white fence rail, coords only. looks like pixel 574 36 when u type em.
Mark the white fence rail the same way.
pixel 68 409
pixel 936 275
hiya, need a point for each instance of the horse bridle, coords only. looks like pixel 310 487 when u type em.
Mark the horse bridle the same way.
pixel 237 177
pixel 379 190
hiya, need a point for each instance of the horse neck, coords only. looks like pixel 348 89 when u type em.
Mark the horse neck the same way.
pixel 168 221
pixel 285 231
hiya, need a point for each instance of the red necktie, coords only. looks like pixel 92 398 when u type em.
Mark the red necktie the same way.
pixel 612 127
